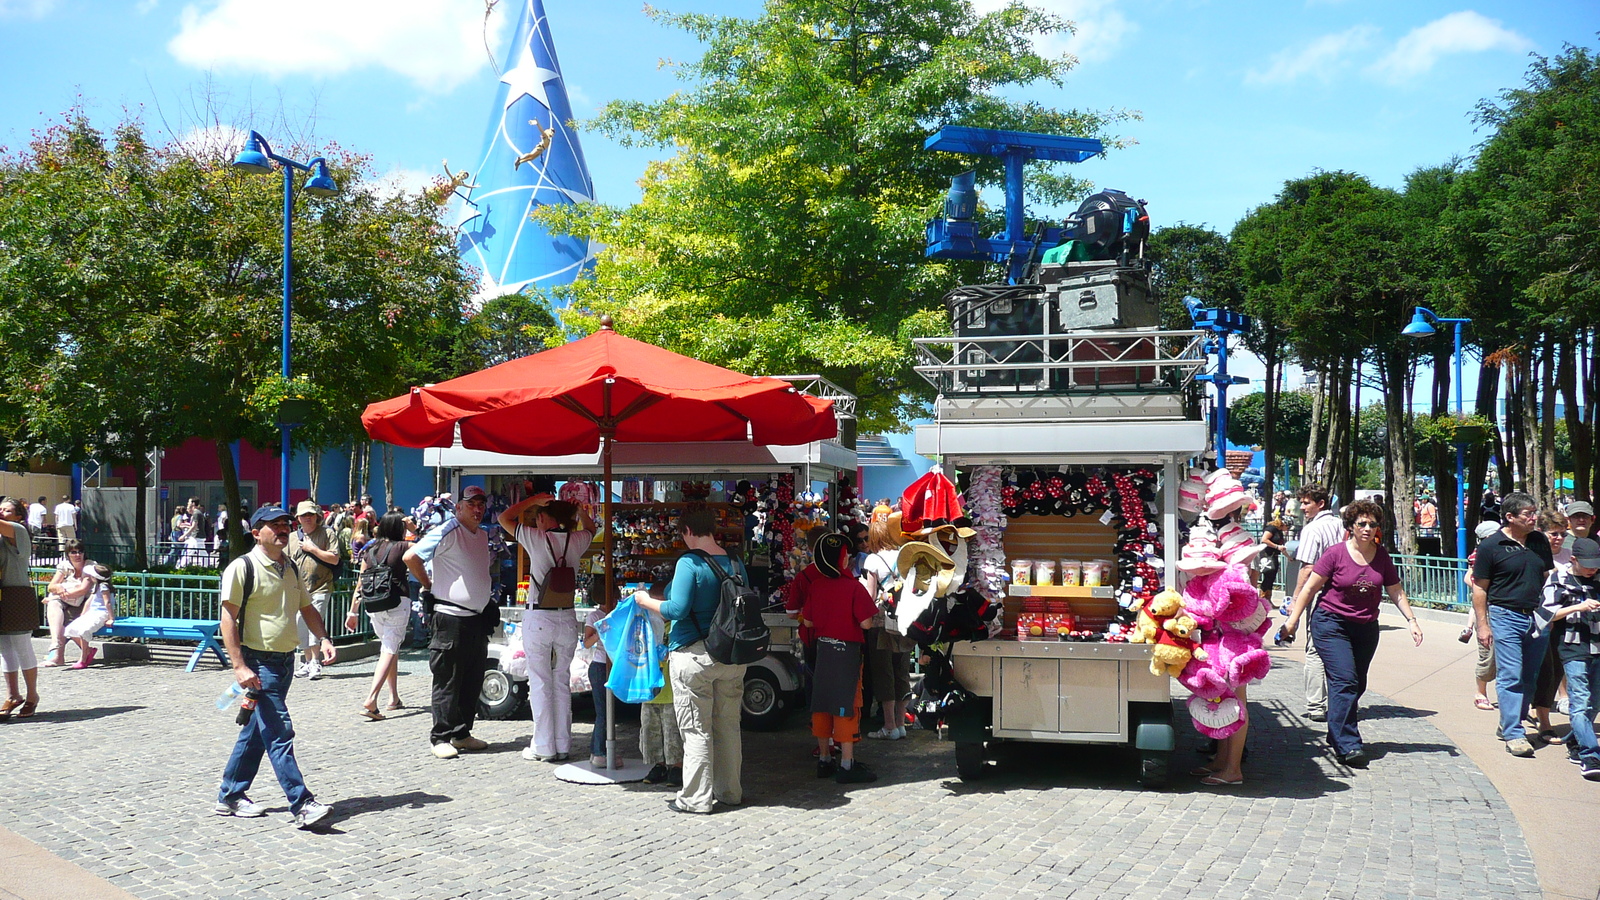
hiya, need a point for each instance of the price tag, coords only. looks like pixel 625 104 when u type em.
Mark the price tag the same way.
pixel 1106 517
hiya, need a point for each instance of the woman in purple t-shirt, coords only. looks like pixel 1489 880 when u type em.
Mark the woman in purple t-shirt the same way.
pixel 1357 573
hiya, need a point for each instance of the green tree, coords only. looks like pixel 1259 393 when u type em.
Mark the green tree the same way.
pixel 785 234
pixel 144 284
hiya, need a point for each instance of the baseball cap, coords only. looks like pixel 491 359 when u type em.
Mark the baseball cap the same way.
pixel 1485 528
pixel 269 513
pixel 1586 553
pixel 1579 508
pixel 307 506
pixel 473 492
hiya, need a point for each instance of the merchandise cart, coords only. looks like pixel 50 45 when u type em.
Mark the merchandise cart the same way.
pixel 1099 412
pixel 773 686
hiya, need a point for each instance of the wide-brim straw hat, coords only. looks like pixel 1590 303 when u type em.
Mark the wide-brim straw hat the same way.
pixel 922 562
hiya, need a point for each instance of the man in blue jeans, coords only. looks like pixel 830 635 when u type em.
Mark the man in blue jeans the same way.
pixel 261 596
pixel 1507 582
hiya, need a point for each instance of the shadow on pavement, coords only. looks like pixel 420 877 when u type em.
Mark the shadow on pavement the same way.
pixel 348 807
pixel 82 715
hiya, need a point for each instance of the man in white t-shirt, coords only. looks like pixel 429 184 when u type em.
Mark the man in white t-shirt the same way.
pixel 1323 530
pixel 66 520
pixel 36 514
pixel 451 563
pixel 561 534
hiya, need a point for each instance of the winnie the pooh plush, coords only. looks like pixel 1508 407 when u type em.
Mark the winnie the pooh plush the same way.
pixel 1171 651
pixel 1153 617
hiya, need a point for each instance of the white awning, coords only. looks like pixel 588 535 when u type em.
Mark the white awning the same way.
pixel 1107 441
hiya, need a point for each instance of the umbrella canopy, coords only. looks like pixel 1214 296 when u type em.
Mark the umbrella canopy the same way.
pixel 560 402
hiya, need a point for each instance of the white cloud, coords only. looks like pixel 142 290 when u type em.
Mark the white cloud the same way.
pixel 437 44
pixel 213 142
pixel 25 9
pixel 1459 32
pixel 1102 29
pixel 400 180
pixel 1318 59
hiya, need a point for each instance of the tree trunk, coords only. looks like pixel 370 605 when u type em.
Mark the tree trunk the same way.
pixel 1313 473
pixel 1399 484
pixel 1485 406
pixel 237 516
pixel 141 509
pixel 314 462
pixel 388 476
pixel 1532 461
pixel 1269 440
pixel 1514 466
pixel 1547 425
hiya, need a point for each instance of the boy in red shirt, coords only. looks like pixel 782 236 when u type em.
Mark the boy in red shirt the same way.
pixel 839 609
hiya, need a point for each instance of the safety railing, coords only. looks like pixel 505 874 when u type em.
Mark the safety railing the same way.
pixel 197 597
pixel 1431 581
pixel 1110 360
pixel 119 553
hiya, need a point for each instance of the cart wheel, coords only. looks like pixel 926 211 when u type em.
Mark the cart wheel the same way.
pixel 502 697
pixel 970 764
pixel 762 708
pixel 1153 768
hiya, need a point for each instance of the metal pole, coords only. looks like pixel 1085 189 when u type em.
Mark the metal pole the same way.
pixel 1221 384
pixel 607 437
pixel 1461 486
pixel 288 265
pixel 1014 213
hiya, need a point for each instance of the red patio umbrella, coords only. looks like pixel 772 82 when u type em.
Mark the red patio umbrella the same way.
pixel 595 391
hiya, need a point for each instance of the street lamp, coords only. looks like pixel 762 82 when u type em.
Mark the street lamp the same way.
pixel 1422 322
pixel 257 159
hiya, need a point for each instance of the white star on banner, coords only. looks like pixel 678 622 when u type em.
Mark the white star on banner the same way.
pixel 527 79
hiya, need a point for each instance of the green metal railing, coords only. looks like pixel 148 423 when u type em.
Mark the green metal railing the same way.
pixel 196 597
pixel 1432 581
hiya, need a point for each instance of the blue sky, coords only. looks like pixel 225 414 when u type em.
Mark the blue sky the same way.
pixel 1234 97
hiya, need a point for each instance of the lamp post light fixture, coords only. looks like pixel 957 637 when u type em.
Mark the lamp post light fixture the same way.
pixel 257 159
pixel 1422 321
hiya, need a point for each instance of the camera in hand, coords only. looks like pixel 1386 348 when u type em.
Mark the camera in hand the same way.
pixel 1280 639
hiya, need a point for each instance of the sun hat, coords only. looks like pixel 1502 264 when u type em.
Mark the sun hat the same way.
pixel 102 572
pixel 268 513
pixel 1485 529
pixel 922 563
pixel 1224 494
pixel 307 506
pixel 1192 493
pixel 1579 508
pixel 1201 559
pixel 1236 545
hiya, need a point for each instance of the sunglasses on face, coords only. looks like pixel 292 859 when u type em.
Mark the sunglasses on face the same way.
pixel 1366 525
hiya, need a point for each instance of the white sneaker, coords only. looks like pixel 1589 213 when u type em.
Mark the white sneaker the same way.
pixel 302 670
pixel 313 670
pixel 444 751
pixel 899 734
pixel 244 808
pixel 530 756
pixel 882 734
pixel 312 813
pixel 1562 707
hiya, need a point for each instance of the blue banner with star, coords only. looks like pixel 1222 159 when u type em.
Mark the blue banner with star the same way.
pixel 531 158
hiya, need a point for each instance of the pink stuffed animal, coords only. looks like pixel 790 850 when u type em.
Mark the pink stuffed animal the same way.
pixel 1217 716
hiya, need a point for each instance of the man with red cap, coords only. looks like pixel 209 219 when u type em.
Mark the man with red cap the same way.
pixel 839 608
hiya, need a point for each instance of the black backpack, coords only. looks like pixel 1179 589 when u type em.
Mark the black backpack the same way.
pixel 737 635
pixel 377 587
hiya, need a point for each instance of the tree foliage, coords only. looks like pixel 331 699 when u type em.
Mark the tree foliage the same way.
pixel 785 234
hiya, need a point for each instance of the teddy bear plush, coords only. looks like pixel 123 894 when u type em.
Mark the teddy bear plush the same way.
pixel 1171 654
pixel 1153 617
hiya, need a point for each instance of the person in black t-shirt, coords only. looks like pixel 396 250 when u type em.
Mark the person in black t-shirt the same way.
pixel 1507 578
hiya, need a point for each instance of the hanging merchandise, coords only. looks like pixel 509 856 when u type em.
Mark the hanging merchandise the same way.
pixel 1232 619
pixel 984 503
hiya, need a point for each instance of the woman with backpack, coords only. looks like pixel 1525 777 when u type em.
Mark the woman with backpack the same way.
pixel 388 605
pixel 555 543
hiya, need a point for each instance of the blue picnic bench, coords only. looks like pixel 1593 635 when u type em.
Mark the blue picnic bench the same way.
pixel 203 631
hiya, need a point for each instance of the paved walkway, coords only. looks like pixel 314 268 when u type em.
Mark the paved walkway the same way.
pixel 114 780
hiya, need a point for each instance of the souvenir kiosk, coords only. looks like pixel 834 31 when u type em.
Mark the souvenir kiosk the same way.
pixel 766 525
pixel 1072 461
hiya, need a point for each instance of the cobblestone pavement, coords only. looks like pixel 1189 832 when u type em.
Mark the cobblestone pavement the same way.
pixel 118 771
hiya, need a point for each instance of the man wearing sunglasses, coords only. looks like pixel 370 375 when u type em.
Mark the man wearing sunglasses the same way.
pixel 451 562
pixel 1507 580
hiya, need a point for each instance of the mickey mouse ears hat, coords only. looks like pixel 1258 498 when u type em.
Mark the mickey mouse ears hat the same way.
pixel 830 552
pixel 932 504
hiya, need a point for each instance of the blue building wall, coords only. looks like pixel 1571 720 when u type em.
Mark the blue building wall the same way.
pixel 412 479
pixel 889 482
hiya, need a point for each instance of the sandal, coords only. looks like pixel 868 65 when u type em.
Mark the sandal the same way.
pixel 10 704
pixel 371 713
pixel 27 709
pixel 1202 771
pixel 1549 736
pixel 1219 781
pixel 1483 703
pixel 395 705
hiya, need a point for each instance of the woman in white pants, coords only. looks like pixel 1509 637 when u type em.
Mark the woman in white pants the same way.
pixel 19 613
pixel 554 544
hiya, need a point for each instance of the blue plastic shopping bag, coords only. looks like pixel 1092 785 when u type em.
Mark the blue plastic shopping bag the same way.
pixel 635 650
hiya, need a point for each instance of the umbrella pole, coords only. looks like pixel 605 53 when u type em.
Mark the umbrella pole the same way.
pixel 610 588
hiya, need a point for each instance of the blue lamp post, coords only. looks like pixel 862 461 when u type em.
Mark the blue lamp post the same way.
pixel 257 158
pixel 1422 321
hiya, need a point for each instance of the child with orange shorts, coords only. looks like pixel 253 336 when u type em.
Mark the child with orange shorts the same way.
pixel 839 609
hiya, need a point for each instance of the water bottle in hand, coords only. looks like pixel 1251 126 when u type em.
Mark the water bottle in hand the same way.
pixel 230 696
